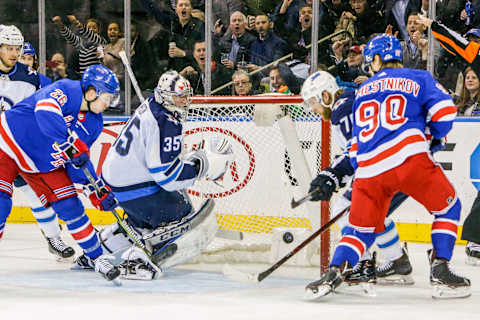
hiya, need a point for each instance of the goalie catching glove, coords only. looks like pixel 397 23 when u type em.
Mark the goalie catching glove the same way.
pixel 74 150
pixel 213 160
pixel 104 199
pixel 323 186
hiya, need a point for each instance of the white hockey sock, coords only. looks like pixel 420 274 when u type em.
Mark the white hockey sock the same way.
pixel 389 242
pixel 46 217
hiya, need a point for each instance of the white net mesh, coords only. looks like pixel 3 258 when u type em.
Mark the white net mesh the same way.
pixel 254 195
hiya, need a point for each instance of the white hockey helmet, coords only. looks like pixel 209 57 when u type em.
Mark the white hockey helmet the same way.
pixel 318 83
pixel 10 35
pixel 171 84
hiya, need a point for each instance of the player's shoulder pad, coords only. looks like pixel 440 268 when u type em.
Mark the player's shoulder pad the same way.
pixel 342 106
pixel 25 73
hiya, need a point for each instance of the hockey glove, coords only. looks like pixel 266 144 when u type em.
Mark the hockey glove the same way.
pixel 324 185
pixel 438 144
pixel 103 200
pixel 74 150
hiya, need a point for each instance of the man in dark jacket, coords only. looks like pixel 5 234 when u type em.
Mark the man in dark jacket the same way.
pixel 185 30
pixel 268 47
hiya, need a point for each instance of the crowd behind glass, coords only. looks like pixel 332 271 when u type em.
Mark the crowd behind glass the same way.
pixel 247 35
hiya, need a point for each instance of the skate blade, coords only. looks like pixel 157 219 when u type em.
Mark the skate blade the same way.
pixel 446 292
pixel 76 267
pixel 322 291
pixel 402 280
pixel 472 261
pixel 144 276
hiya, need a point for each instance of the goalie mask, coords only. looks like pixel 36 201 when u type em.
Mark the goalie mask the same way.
pixel 320 88
pixel 174 92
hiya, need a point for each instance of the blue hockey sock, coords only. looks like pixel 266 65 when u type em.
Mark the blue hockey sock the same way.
pixel 352 246
pixel 72 212
pixel 444 231
pixel 5 208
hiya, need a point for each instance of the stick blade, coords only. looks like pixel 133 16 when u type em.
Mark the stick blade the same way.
pixel 239 276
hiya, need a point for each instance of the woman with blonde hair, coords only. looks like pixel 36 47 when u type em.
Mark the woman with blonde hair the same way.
pixel 469 101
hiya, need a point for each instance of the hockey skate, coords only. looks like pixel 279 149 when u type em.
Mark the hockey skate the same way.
pixel 136 270
pixel 398 271
pixel 101 265
pixel 362 274
pixel 446 284
pixel 473 254
pixel 60 249
pixel 326 285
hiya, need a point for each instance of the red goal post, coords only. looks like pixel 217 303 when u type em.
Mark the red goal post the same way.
pixel 279 146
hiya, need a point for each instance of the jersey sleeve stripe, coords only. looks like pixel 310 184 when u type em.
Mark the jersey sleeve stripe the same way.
pixel 172 177
pixel 13 146
pixel 445 114
pixel 159 169
pixel 48 105
pixel 469 53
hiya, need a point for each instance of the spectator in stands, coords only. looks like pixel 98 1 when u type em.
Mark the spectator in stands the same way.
pixel 185 30
pixel 111 56
pixel 365 19
pixel 286 16
pixel 268 47
pixel 415 48
pixel 87 42
pixel 234 49
pixel 300 38
pixel 256 7
pixel 242 84
pixel 223 10
pixel 29 58
pixel 195 73
pixel 396 15
pixel 469 101
pixel 282 80
pixel 141 59
pixel 349 72
pixel 56 67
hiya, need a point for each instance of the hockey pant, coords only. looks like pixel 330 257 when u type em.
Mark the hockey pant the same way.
pixel 388 241
pixel 420 178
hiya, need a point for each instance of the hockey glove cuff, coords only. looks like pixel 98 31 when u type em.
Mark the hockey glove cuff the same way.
pixel 104 199
pixel 74 150
pixel 438 144
pixel 324 185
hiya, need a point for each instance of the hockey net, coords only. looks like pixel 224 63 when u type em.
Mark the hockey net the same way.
pixel 278 148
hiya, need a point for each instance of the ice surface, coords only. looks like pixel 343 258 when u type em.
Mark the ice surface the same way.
pixel 35 286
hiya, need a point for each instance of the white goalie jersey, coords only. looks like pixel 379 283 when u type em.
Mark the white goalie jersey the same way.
pixel 147 155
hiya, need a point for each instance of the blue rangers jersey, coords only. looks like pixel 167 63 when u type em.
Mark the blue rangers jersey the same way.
pixel 16 85
pixel 147 155
pixel 32 127
pixel 88 127
pixel 391 112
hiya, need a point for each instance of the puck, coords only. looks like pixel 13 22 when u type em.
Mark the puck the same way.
pixel 288 237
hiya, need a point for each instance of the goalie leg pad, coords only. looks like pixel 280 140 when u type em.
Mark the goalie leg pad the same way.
pixel 113 240
pixel 192 243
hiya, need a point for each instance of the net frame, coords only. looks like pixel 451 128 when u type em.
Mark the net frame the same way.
pixel 201 112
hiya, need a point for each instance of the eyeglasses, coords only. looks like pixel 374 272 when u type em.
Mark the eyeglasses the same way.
pixel 241 83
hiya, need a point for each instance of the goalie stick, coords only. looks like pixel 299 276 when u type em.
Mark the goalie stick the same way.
pixel 238 275
pixel 124 58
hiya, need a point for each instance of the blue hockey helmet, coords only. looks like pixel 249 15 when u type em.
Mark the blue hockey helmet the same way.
pixel 103 80
pixel 28 49
pixel 386 46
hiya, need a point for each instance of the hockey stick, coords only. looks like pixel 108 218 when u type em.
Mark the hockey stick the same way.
pixel 124 58
pixel 237 275
pixel 128 230
pixel 111 124
pixel 302 200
